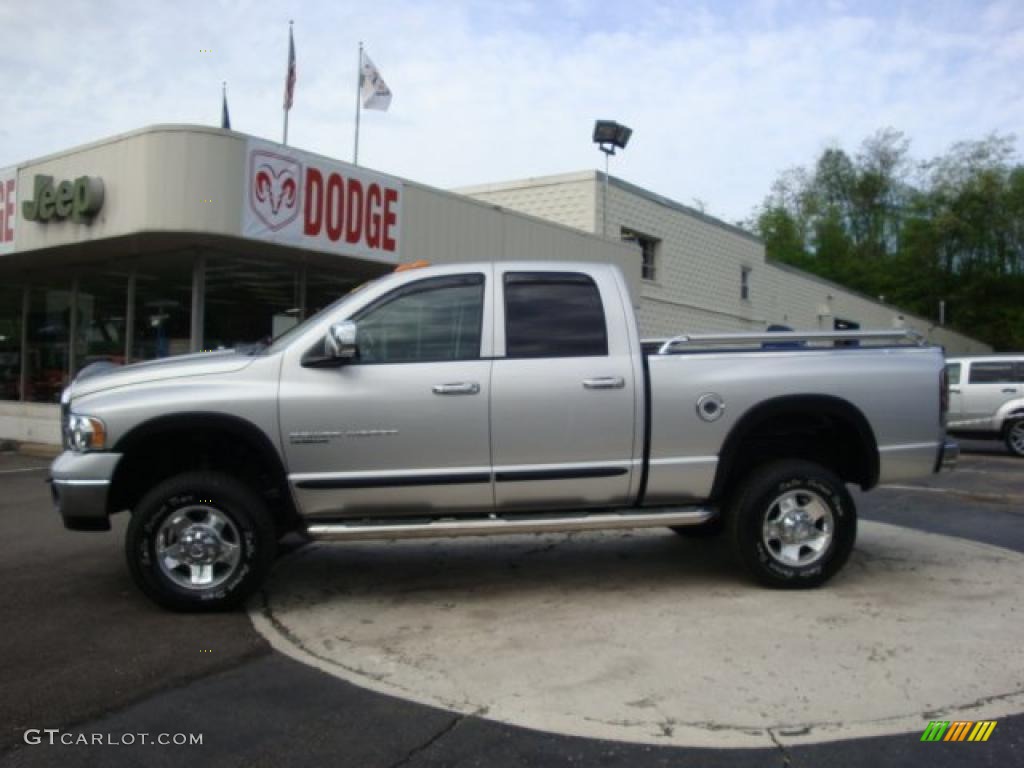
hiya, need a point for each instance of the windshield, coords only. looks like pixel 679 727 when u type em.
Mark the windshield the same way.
pixel 284 339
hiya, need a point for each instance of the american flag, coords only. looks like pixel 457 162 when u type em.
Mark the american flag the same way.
pixel 289 83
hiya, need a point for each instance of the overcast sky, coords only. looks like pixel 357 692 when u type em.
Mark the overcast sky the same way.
pixel 721 95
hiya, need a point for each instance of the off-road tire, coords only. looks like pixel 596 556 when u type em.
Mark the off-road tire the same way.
pixel 753 501
pixel 257 539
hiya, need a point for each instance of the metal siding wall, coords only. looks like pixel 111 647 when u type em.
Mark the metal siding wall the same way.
pixel 154 180
pixel 698 269
pixel 570 203
pixel 697 285
pixel 443 227
pixel 795 300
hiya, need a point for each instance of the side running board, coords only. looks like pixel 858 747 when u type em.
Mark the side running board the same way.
pixel 357 530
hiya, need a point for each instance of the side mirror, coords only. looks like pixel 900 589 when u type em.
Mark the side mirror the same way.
pixel 340 343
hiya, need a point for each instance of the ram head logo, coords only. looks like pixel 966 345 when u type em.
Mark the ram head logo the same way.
pixel 274 188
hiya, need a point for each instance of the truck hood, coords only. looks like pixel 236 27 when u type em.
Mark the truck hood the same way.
pixel 200 364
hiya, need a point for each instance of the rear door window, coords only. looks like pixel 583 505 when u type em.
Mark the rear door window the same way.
pixel 994 373
pixel 553 314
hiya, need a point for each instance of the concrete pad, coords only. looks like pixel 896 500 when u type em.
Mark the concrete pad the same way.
pixel 644 637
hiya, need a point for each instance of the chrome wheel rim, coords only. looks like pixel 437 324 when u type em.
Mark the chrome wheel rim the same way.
pixel 1017 438
pixel 798 528
pixel 198 547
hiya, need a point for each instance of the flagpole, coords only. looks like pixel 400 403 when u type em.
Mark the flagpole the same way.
pixel 285 140
pixel 224 103
pixel 359 85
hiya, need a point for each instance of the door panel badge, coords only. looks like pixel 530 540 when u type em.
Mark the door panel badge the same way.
pixel 325 436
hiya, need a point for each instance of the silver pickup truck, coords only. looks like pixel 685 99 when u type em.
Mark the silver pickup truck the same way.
pixel 491 398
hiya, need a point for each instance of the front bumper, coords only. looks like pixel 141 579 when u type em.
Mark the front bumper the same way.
pixel 79 484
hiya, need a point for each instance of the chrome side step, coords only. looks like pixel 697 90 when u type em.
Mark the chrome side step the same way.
pixel 359 530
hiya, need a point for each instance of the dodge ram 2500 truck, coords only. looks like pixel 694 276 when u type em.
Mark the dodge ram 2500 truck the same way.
pixel 490 398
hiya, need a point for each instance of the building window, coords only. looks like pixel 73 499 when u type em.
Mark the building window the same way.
pixel 324 288
pixel 648 251
pixel 101 317
pixel 745 283
pixel 49 318
pixel 163 306
pixel 248 300
pixel 10 341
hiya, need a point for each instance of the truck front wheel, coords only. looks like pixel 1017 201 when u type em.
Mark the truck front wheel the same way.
pixel 200 541
pixel 792 524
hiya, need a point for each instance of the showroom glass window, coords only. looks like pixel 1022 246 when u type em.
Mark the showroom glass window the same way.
pixel 248 300
pixel 432 320
pixel 553 314
pixel 324 288
pixel 10 341
pixel 101 317
pixel 163 306
pixel 46 357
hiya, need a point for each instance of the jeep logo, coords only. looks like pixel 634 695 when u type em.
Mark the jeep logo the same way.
pixel 80 200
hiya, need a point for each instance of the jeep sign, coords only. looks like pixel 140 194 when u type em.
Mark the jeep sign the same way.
pixel 79 200
pixel 304 200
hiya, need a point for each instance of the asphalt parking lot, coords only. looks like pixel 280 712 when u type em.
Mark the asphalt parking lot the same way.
pixel 84 652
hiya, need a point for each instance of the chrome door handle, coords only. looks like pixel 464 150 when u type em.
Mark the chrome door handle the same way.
pixel 955 390
pixel 462 388
pixel 606 382
pixel 1010 391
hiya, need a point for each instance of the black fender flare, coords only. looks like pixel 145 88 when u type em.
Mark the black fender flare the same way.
pixel 827 405
pixel 203 421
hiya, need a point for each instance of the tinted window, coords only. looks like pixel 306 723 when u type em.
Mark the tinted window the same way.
pixel 550 314
pixel 432 320
pixel 993 373
pixel 953 372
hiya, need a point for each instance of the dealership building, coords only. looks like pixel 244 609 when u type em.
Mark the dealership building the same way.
pixel 175 239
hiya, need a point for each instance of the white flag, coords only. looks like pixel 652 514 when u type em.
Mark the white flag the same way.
pixel 375 92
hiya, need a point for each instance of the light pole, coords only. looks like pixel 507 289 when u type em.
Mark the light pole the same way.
pixel 608 135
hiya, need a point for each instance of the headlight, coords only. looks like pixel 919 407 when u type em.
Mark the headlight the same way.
pixel 86 433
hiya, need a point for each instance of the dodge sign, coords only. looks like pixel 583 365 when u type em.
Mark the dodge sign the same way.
pixel 8 207
pixel 308 201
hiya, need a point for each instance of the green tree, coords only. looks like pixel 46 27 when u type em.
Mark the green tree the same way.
pixel 950 229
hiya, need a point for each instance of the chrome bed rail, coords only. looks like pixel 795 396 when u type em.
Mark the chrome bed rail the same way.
pixel 790 338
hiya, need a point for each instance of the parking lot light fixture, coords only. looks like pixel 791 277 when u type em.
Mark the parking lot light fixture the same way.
pixel 609 136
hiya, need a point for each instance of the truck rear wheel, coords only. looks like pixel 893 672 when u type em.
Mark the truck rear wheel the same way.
pixel 200 541
pixel 792 524
pixel 1015 437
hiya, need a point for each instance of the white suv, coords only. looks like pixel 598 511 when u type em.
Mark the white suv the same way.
pixel 986 399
